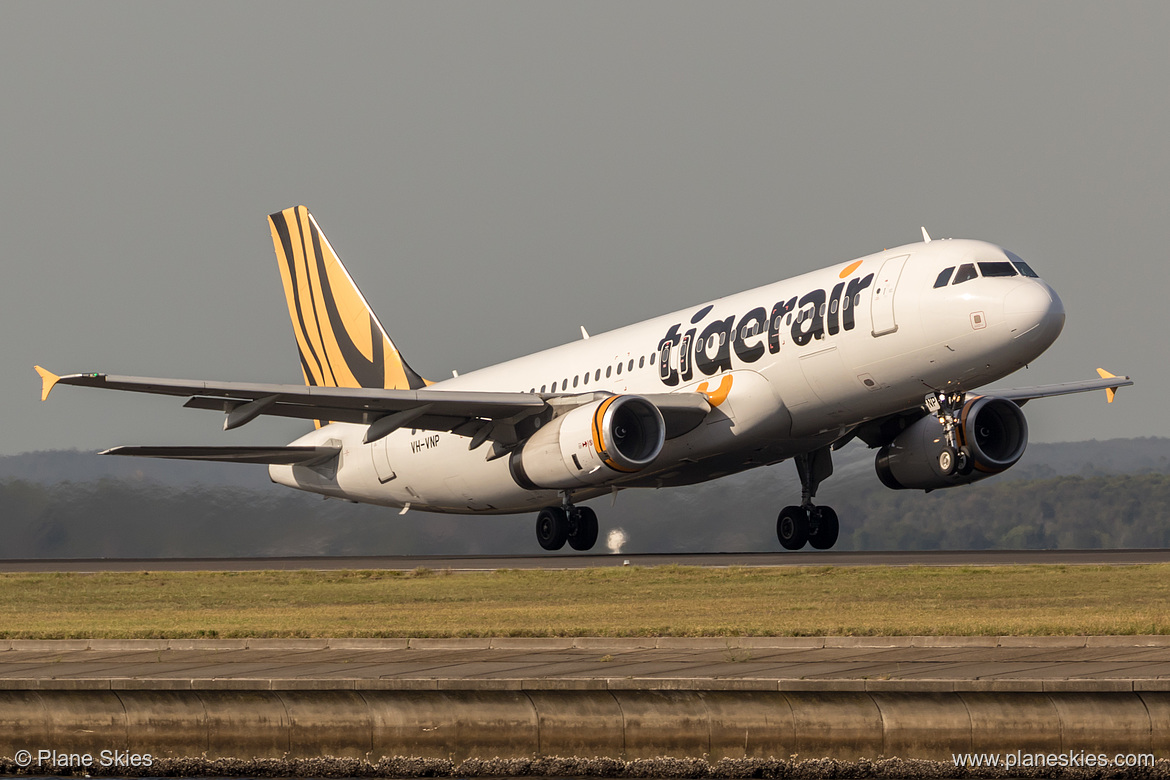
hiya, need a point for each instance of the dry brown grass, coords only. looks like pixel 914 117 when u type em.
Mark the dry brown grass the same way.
pixel 667 600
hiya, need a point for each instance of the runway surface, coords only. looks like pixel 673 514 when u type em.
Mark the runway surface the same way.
pixel 568 561
pixel 902 663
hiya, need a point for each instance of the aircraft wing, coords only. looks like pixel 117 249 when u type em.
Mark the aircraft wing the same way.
pixel 244 401
pixel 1021 395
pixel 880 431
pixel 464 412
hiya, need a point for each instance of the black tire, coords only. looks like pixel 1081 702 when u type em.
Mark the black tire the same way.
pixel 964 463
pixel 552 528
pixel 584 535
pixel 792 527
pixel 825 528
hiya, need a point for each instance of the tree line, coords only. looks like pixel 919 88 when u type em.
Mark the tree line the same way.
pixel 123 518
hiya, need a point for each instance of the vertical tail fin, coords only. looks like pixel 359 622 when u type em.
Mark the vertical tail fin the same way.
pixel 341 342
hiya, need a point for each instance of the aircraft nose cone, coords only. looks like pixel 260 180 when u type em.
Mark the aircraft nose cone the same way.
pixel 1034 312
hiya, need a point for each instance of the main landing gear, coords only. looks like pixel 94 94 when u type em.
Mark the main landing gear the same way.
pixel 576 525
pixel 808 524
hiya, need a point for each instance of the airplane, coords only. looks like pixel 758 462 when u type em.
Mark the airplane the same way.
pixel 890 349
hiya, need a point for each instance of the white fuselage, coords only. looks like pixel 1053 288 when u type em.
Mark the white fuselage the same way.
pixel 793 366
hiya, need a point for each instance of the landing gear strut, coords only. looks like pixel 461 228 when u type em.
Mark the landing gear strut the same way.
pixel 948 408
pixel 809 524
pixel 576 525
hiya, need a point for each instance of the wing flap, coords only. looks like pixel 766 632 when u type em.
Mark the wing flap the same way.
pixel 430 422
pixel 281 456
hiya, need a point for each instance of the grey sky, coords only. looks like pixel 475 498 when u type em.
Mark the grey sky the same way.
pixel 496 174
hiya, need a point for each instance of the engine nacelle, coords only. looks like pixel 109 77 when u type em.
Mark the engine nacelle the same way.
pixel 591 445
pixel 992 436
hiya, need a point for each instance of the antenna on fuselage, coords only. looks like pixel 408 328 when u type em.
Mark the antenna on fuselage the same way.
pixel 925 236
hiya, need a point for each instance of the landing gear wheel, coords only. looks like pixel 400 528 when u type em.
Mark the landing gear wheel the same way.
pixel 792 527
pixel 963 463
pixel 584 534
pixel 947 462
pixel 824 528
pixel 552 528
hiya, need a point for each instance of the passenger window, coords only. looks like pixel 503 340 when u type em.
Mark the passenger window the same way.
pixel 823 310
pixel 652 354
pixel 586 379
pixel 966 273
pixel 542 388
pixel 608 369
pixel 1003 268
pixel 857 299
pixel 844 304
pixel 642 362
pixel 575 378
pixel 944 277
pixel 564 385
pixel 597 375
pixel 630 367
pixel 619 367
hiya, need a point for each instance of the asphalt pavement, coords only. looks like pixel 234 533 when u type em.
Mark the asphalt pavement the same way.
pixel 579 561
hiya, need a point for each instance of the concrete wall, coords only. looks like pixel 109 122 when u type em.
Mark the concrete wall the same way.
pixel 462 724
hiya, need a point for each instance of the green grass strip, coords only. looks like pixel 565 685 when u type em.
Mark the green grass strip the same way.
pixel 629 601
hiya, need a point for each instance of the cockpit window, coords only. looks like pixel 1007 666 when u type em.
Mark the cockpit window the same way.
pixel 1021 266
pixel 944 277
pixel 965 273
pixel 997 269
pixel 1026 269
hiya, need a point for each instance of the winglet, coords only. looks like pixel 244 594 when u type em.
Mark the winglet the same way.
pixel 925 236
pixel 1110 392
pixel 48 379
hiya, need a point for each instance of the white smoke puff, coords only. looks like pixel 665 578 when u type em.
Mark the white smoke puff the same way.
pixel 616 540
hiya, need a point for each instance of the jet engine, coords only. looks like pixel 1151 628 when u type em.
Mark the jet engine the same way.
pixel 592 444
pixel 992 436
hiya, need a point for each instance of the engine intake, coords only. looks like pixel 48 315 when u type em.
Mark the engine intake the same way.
pixel 592 444
pixel 993 434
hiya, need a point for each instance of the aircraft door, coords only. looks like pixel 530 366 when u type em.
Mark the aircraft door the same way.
pixel 883 295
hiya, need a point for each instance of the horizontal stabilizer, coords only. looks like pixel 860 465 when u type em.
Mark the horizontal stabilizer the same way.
pixel 277 456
